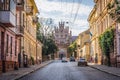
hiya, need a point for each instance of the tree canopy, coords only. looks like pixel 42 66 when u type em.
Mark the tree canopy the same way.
pixel 49 46
pixel 72 48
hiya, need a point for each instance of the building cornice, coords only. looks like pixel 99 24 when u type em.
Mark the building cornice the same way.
pixel 95 1
pixel 91 13
pixel 34 5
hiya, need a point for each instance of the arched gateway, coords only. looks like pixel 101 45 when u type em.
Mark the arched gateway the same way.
pixel 62 53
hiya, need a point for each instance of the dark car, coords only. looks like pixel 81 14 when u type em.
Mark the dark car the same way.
pixel 82 62
pixel 72 59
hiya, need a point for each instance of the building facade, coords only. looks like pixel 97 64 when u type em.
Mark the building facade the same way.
pixel 29 41
pixel 63 38
pixel 83 45
pixel 18 43
pixel 100 20
pixel 39 52
pixel 10 33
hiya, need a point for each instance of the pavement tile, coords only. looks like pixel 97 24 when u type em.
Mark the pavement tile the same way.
pixel 111 70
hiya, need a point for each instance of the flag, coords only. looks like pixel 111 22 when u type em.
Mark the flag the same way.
pixel 90 33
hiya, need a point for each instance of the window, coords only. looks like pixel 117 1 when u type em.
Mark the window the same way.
pixel 7 44
pixel 61 36
pixel 11 45
pixel 15 47
pixel 119 45
pixel 23 19
pixel 5 5
pixel 56 35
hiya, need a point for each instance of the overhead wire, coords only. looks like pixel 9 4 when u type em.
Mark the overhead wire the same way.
pixel 61 7
pixel 66 6
pixel 76 14
pixel 72 10
pixel 71 14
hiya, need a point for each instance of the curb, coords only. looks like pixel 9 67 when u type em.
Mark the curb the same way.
pixel 104 71
pixel 21 76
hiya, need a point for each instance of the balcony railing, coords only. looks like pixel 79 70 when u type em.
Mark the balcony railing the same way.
pixel 20 4
pixel 29 10
pixel 19 31
pixel 7 18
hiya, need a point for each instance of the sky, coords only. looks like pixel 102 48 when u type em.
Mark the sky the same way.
pixel 75 12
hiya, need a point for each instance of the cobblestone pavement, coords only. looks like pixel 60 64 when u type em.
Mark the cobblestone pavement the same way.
pixel 68 71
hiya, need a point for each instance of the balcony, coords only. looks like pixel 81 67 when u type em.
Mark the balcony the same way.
pixel 20 31
pixel 7 18
pixel 35 19
pixel 29 10
pixel 95 1
pixel 20 5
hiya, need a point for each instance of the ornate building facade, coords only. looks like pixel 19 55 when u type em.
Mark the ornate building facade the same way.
pixel 63 38
pixel 10 33
pixel 100 20
pixel 18 41
pixel 30 40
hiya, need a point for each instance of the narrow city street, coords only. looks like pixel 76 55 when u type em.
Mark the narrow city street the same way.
pixel 68 71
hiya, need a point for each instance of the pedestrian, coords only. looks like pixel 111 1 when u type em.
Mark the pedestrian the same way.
pixel 96 58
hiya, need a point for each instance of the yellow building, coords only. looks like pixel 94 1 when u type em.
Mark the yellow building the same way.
pixel 99 20
pixel 39 52
pixel 83 45
pixel 29 40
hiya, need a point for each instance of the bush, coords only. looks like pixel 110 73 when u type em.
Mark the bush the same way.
pixel 33 61
pixel 106 41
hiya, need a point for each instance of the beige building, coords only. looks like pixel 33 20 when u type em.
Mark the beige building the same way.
pixel 29 40
pixel 99 21
pixel 39 52
pixel 83 45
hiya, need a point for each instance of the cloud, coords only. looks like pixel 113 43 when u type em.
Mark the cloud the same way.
pixel 63 11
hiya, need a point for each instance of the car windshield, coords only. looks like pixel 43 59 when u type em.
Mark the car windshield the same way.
pixel 82 59
pixel 72 57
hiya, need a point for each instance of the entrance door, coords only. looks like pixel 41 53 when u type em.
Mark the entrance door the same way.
pixel 2 51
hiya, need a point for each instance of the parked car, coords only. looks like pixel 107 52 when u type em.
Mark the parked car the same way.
pixel 82 62
pixel 64 59
pixel 72 59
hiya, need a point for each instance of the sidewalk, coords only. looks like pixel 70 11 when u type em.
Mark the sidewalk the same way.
pixel 14 75
pixel 110 70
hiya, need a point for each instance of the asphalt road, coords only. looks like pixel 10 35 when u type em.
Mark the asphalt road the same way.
pixel 68 71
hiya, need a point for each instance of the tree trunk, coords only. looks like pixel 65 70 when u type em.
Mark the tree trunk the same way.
pixel 109 62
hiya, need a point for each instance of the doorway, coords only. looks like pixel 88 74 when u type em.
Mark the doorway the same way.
pixel 2 51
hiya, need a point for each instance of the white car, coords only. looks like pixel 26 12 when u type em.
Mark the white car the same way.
pixel 64 59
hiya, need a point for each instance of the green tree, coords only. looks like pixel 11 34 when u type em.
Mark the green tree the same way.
pixel 72 48
pixel 49 46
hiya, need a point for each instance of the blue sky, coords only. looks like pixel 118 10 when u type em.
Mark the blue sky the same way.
pixel 65 10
